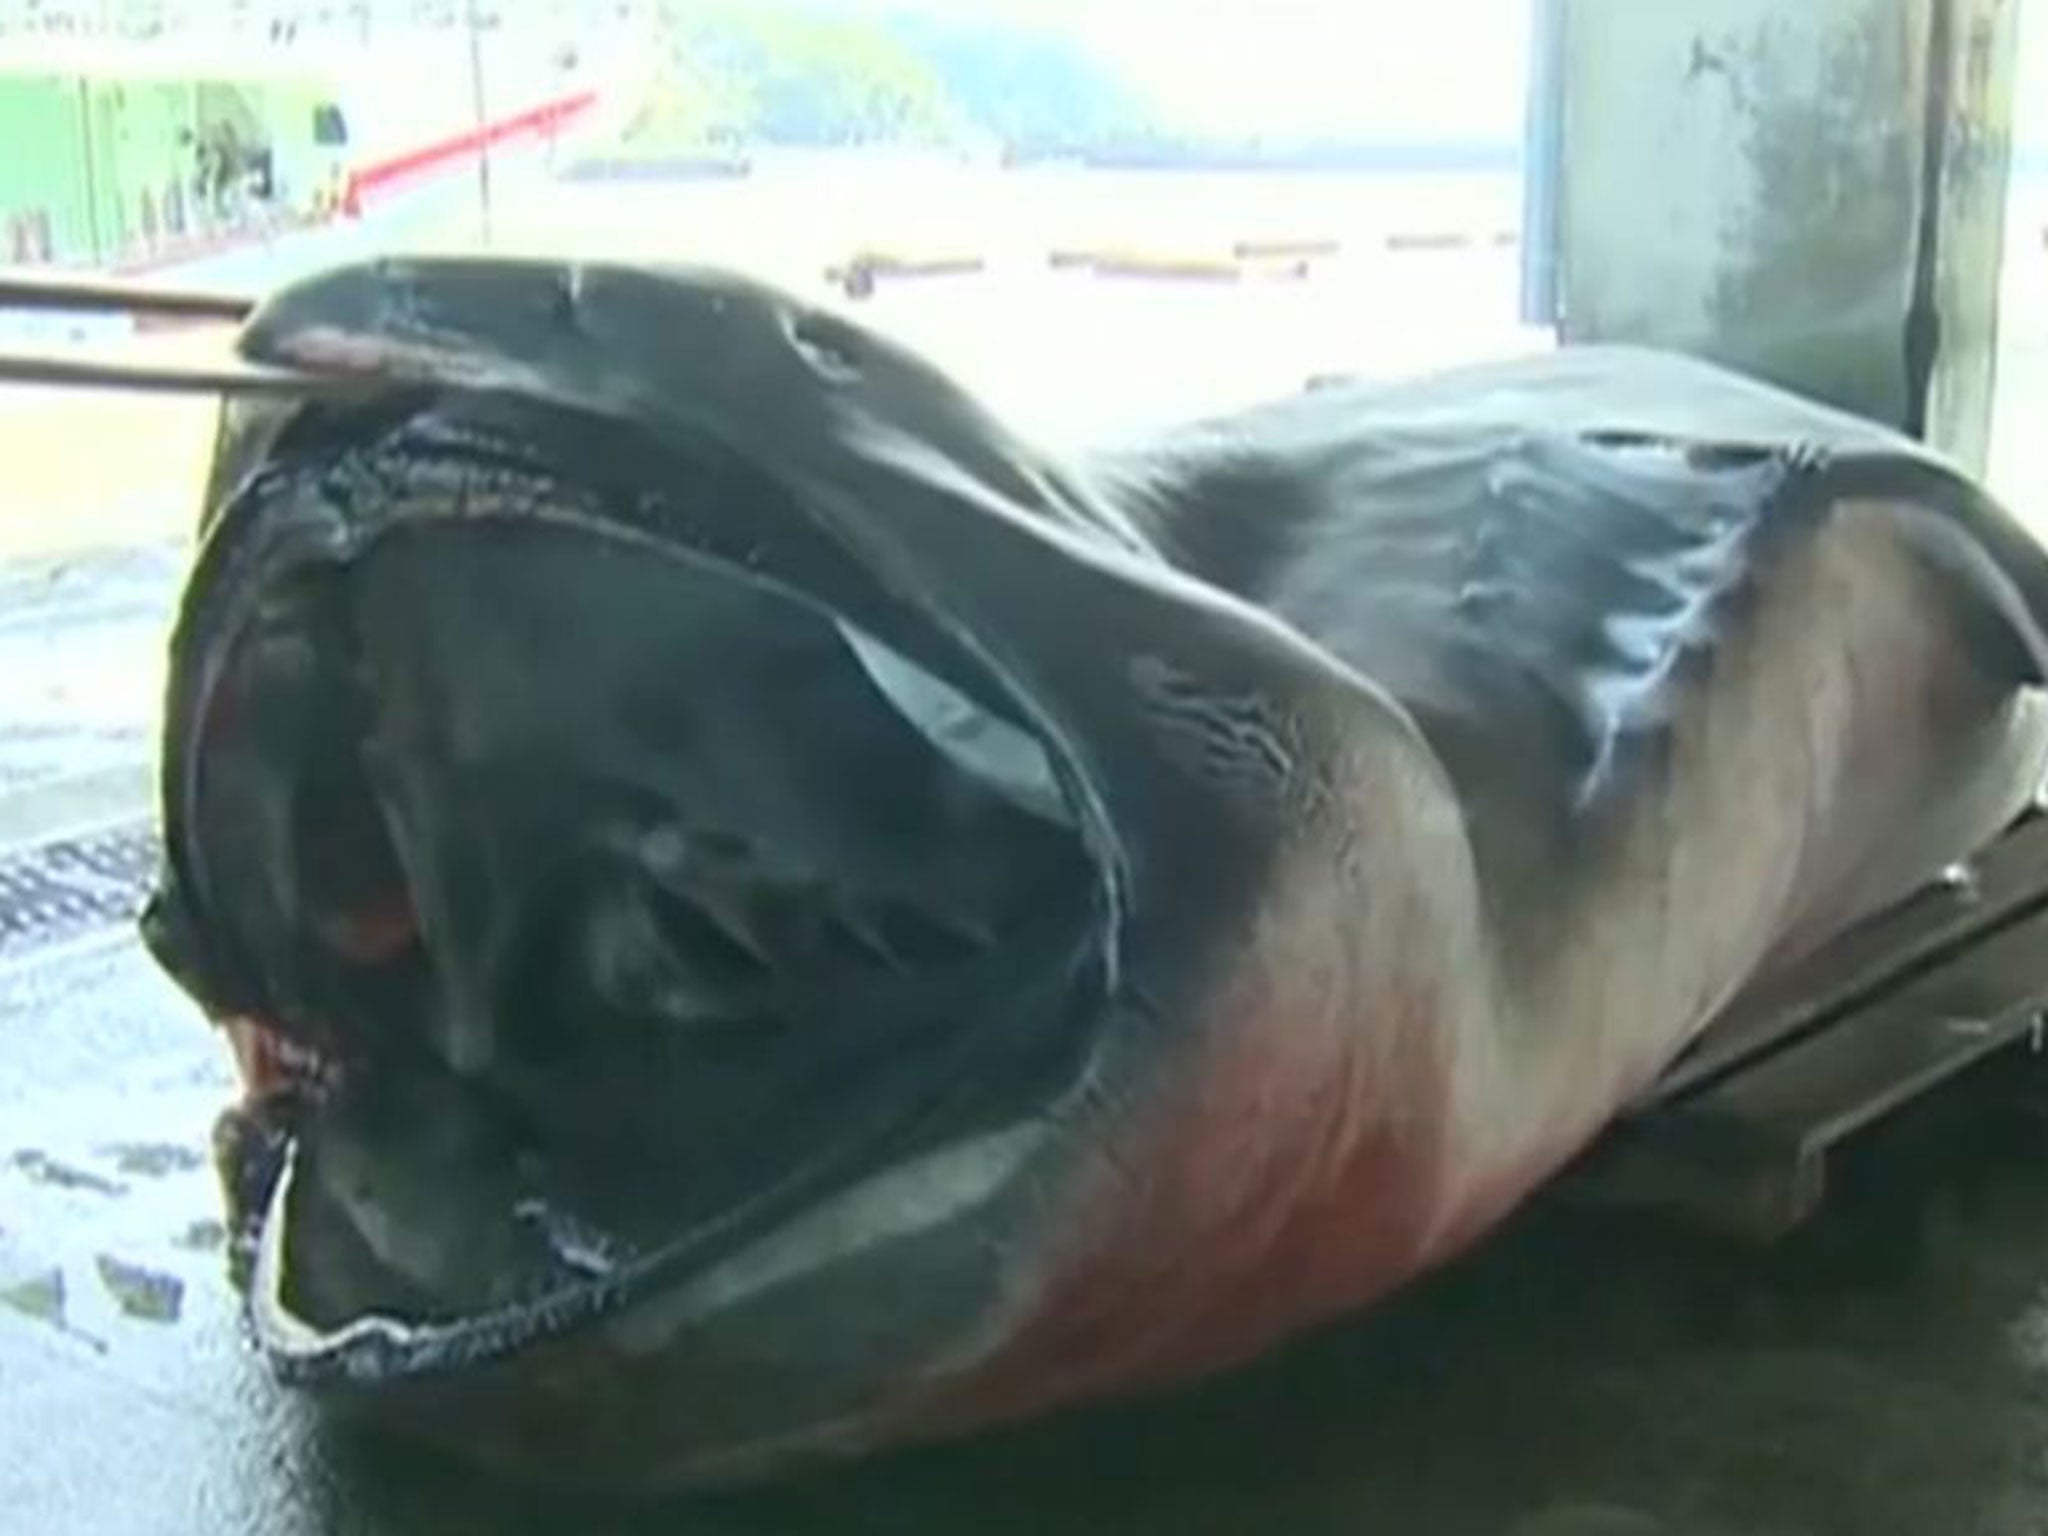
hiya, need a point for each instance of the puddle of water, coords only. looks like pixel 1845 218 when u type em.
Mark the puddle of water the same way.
pixel 40 1296
pixel 142 1292
pixel 204 1235
pixel 41 1168
pixel 154 1160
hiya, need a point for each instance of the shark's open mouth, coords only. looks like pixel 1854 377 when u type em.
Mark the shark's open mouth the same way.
pixel 606 866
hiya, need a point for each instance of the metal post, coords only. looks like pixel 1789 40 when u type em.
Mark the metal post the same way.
pixel 483 148
pixel 1813 193
pixel 1542 151
pixel 92 180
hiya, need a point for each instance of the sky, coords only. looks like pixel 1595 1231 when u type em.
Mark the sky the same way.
pixel 1444 69
pixel 1432 69
pixel 1439 69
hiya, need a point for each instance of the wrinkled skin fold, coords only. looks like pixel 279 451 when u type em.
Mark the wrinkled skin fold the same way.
pixel 764 917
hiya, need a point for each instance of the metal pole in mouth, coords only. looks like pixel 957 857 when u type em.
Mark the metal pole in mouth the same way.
pixel 227 376
pixel 37 291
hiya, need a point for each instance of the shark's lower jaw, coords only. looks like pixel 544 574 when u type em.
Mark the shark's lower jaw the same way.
pixel 590 909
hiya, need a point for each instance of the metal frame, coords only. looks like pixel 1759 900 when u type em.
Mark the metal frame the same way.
pixel 1738 1135
pixel 78 367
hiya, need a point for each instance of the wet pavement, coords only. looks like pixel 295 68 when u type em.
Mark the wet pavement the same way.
pixel 81 674
pixel 71 887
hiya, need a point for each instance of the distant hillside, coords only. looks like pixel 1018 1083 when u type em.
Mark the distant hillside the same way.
pixel 1030 91
pixel 787 74
pixel 737 74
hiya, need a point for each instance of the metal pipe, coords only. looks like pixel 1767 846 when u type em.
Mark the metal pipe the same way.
pixel 1542 161
pixel 483 143
pixel 1922 334
pixel 111 295
pixel 229 376
pixel 92 181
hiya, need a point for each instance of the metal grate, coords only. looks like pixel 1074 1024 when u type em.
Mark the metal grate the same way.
pixel 72 886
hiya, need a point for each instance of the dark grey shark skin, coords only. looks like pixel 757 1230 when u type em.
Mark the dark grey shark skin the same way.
pixel 768 918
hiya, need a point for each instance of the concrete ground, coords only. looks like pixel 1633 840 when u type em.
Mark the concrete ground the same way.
pixel 1890 1375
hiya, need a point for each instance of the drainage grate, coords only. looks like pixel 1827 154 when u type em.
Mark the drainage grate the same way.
pixel 73 886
